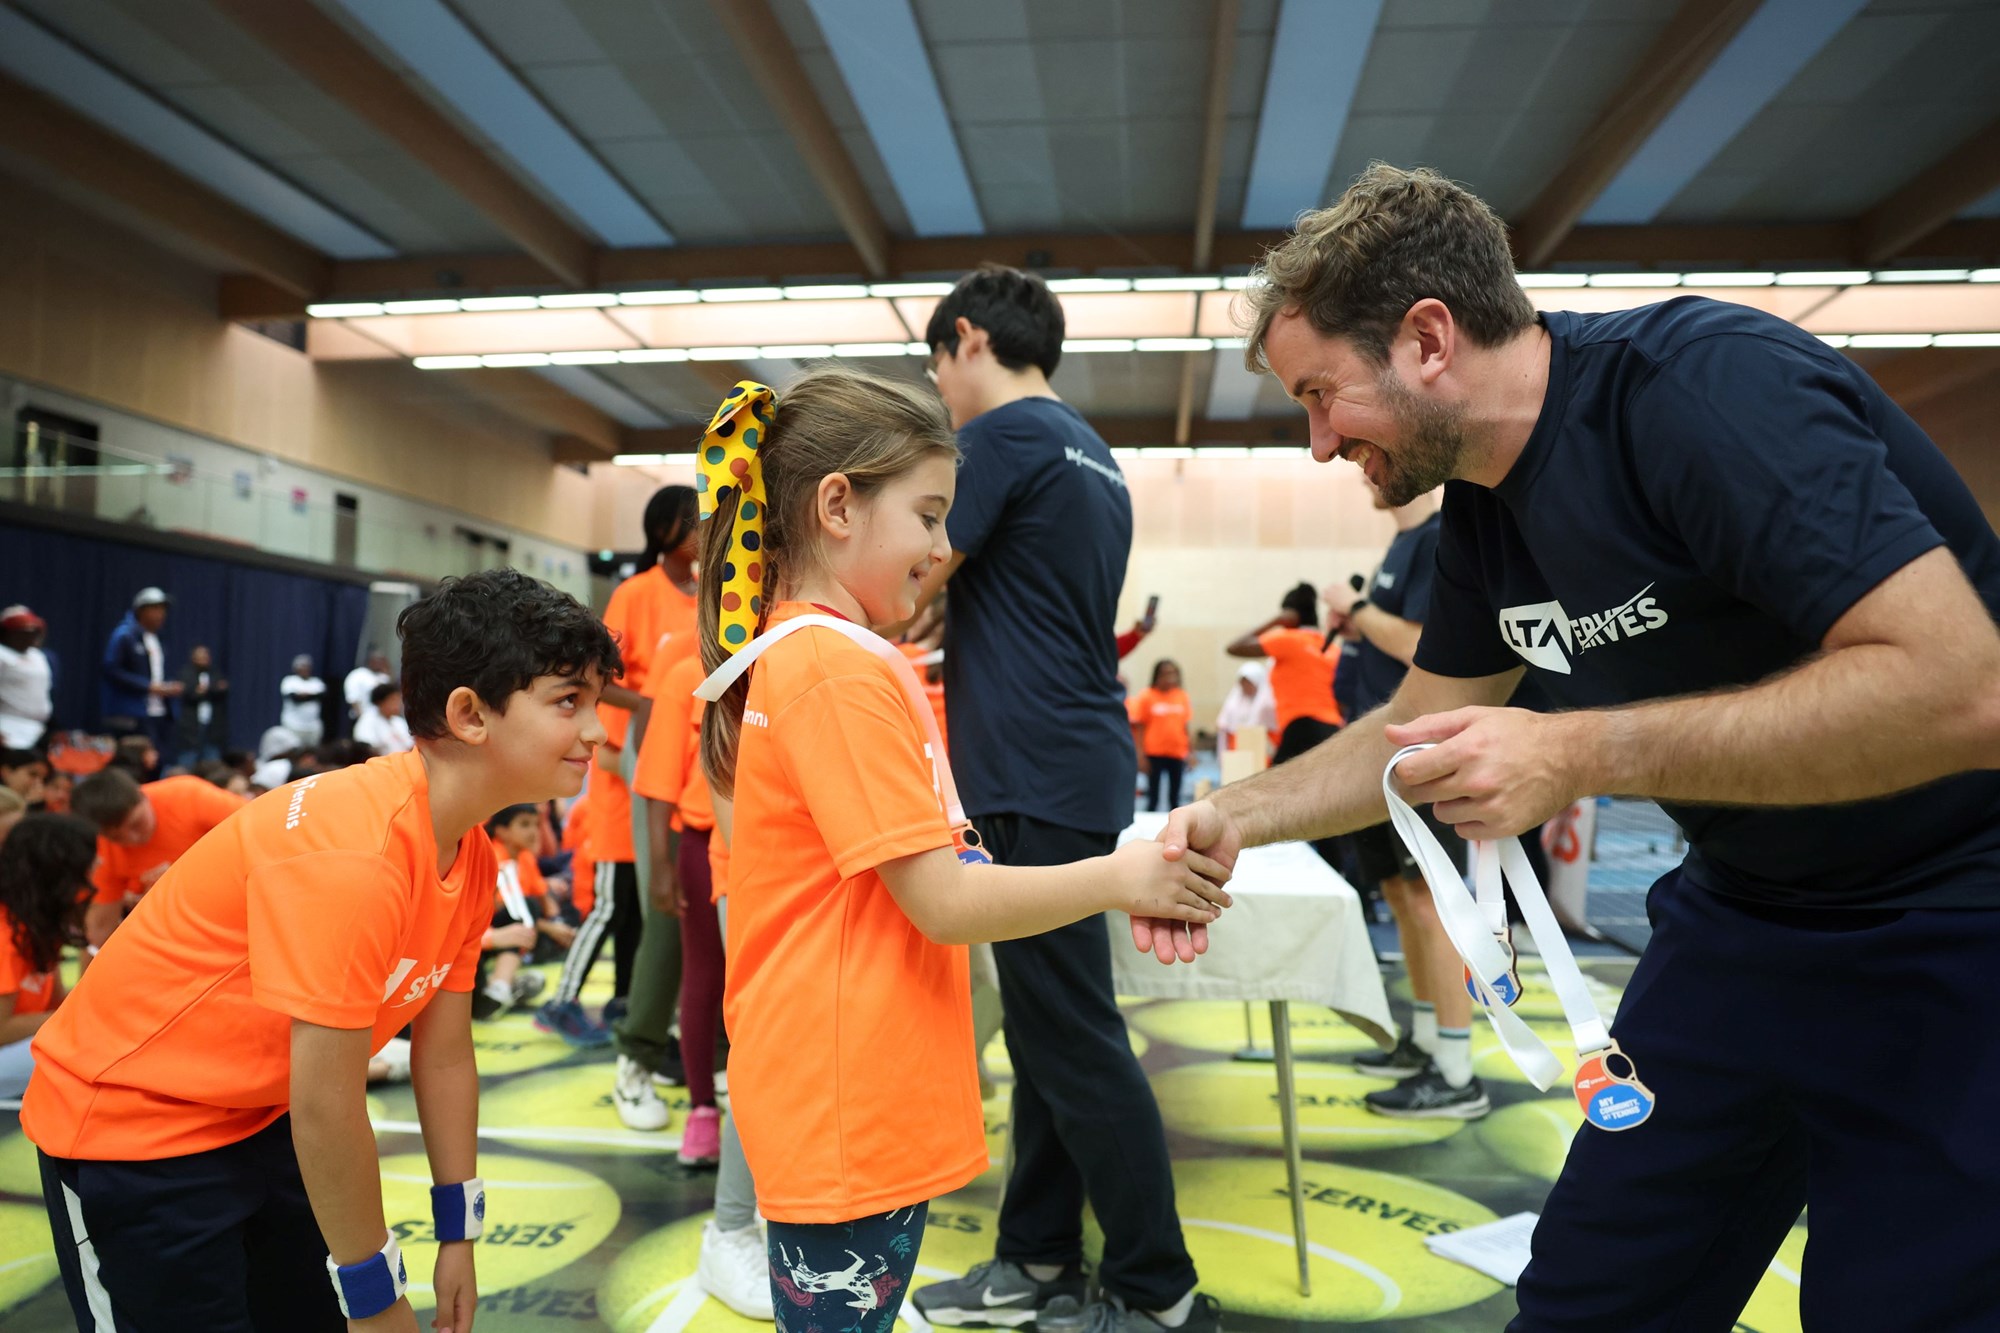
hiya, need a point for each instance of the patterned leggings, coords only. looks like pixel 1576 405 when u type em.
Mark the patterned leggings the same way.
pixel 844 1277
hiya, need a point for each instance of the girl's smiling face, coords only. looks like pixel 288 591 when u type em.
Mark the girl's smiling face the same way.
pixel 896 536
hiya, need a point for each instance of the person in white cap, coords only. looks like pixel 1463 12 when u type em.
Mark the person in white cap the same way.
pixel 136 693
pixel 25 679
pixel 303 692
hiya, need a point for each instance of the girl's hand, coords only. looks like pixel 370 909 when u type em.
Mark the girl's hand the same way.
pixel 1144 883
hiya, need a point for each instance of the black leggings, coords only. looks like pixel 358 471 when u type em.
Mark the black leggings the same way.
pixel 1162 767
pixel 844 1277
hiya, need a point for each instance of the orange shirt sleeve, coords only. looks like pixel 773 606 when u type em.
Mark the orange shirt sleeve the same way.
pixel 1135 707
pixel 109 876
pixel 618 619
pixel 13 967
pixel 324 929
pixel 1278 643
pixel 855 756
pixel 532 883
pixel 663 754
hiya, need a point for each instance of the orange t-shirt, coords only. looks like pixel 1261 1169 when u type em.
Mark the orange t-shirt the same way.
pixel 34 992
pixel 933 689
pixel 1162 716
pixel 1301 674
pixel 320 902
pixel 718 867
pixel 184 810
pixel 670 755
pixel 582 868
pixel 650 617
pixel 851 1057
pixel 526 873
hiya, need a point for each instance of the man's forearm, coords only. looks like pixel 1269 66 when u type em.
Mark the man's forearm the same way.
pixel 1336 787
pixel 1846 726
pixel 1391 633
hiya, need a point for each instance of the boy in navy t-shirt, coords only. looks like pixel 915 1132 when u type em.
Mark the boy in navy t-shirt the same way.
pixel 1768 602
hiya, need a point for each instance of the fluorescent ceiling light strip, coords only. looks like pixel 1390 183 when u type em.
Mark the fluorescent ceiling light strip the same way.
pixel 638 460
pixel 443 51
pixel 605 358
pixel 1922 274
pixel 1842 277
pixel 721 353
pixel 433 307
pixel 344 309
pixel 486 304
pixel 1890 340
pixel 1189 284
pixel 870 349
pixel 880 53
pixel 893 289
pixel 1966 340
pixel 1099 345
pixel 504 360
pixel 1223 451
pixel 917 349
pixel 673 296
pixel 641 356
pixel 723 295
pixel 1231 344
pixel 1635 279
pixel 827 292
pixel 1746 279
pixel 578 300
pixel 1167 451
pixel 1081 285
pixel 1536 280
pixel 1240 283
pixel 446 363
pixel 1833 339
pixel 1986 275
pixel 38 57
pixel 796 351
pixel 1175 344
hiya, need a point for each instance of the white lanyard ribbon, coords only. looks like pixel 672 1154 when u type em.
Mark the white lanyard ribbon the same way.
pixel 1476 926
pixel 727 674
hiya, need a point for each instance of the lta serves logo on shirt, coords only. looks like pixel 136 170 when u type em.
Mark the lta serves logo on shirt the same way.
pixel 424 983
pixel 1546 636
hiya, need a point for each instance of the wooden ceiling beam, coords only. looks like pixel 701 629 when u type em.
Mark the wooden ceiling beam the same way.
pixel 41 129
pixel 1932 198
pixel 761 44
pixel 323 52
pixel 1684 49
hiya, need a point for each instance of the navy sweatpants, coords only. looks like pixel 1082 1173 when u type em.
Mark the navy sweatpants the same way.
pixel 215 1242
pixel 1844 1060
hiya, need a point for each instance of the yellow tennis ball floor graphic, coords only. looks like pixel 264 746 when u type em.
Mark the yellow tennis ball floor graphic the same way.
pixel 594 1226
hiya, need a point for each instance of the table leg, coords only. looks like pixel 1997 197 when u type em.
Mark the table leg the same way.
pixel 1251 1052
pixel 1288 1117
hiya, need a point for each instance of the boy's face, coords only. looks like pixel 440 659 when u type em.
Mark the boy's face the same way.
pixel 544 740
pixel 522 832
pixel 137 828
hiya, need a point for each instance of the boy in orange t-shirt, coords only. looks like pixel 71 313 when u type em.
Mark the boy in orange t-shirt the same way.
pixel 141 832
pixel 206 1156
pixel 852 889
pixel 1162 731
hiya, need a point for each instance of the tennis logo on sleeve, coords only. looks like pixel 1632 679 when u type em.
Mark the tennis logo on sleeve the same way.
pixel 1548 637
pixel 424 984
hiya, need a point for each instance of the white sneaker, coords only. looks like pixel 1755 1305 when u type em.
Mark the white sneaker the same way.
pixel 396 1055
pixel 735 1268
pixel 632 1093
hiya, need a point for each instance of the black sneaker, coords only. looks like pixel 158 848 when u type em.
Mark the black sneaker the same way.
pixel 1108 1314
pixel 1427 1096
pixel 1406 1059
pixel 997 1294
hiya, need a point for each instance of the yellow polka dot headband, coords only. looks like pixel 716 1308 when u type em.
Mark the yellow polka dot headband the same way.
pixel 729 462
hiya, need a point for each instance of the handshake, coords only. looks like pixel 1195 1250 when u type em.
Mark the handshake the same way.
pixel 1172 891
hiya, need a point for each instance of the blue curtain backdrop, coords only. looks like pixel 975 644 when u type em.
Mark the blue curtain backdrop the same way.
pixel 254 620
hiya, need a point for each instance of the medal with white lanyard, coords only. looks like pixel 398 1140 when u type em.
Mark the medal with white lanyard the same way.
pixel 965 840
pixel 1607 1083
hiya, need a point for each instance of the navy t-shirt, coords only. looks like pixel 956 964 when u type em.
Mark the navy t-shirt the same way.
pixel 1707 491
pixel 1038 723
pixel 1401 587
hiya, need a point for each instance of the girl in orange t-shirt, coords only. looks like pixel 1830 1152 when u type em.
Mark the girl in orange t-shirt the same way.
pixel 854 887
pixel 1162 732
pixel 1301 672
pixel 45 865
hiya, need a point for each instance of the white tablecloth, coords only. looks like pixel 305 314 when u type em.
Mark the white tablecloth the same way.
pixel 1296 933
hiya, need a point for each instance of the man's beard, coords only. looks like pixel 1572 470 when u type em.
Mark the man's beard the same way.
pixel 1430 443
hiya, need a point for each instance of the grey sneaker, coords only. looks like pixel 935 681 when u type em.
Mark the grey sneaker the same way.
pixel 996 1294
pixel 1108 1314
pixel 1427 1096
pixel 1406 1059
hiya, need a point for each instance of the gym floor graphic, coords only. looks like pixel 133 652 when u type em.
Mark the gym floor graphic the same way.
pixel 593 1226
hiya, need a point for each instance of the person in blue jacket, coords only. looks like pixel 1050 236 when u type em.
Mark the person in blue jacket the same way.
pixel 137 694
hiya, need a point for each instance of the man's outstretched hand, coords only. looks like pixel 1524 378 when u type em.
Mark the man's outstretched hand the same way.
pixel 1201 828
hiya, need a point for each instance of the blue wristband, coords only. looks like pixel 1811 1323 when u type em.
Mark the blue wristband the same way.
pixel 366 1289
pixel 458 1212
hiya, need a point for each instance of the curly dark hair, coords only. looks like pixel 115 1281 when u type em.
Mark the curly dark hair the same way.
pixel 44 874
pixel 494 632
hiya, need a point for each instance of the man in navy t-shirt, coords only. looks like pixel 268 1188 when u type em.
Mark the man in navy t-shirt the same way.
pixel 1768 603
pixel 1042 751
